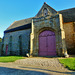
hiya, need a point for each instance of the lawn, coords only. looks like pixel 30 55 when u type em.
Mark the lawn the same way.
pixel 68 63
pixel 10 58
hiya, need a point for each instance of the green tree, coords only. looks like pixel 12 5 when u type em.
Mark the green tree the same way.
pixel 0 39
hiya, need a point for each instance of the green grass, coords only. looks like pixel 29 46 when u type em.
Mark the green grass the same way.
pixel 10 58
pixel 68 63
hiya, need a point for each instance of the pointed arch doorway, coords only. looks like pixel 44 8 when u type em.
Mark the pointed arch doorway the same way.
pixel 47 43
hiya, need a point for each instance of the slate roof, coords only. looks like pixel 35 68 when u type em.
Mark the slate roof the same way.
pixel 23 27
pixel 19 23
pixel 68 15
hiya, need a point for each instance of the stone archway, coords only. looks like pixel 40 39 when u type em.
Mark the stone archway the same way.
pixel 54 24
pixel 47 43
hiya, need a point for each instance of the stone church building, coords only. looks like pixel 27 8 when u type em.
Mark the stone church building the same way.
pixel 49 33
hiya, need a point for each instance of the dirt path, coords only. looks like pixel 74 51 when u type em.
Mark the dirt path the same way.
pixel 34 66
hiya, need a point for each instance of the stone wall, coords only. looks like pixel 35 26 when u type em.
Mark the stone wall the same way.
pixel 50 10
pixel 13 47
pixel 52 23
pixel 70 35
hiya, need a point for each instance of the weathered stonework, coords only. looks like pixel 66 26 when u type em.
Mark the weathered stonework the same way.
pixel 22 37
pixel 70 36
pixel 25 34
pixel 52 23
pixel 50 10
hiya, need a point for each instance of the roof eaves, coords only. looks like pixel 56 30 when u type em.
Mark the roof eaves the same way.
pixel 27 26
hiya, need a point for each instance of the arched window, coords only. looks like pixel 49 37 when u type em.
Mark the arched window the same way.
pixel 20 44
pixel 45 12
pixel 10 45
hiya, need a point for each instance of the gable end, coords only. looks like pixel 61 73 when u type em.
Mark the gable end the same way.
pixel 50 10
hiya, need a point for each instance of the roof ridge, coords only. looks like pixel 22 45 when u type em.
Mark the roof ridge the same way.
pixel 11 24
pixel 42 6
pixel 67 9
pixel 50 6
pixel 39 10
pixel 24 19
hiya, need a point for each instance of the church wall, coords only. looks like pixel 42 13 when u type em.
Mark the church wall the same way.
pixel 52 23
pixel 50 11
pixel 70 36
pixel 13 47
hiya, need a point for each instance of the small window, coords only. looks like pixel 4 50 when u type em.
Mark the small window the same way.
pixel 45 12
pixel 20 39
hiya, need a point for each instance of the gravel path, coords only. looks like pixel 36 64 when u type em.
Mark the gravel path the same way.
pixel 34 66
pixel 46 62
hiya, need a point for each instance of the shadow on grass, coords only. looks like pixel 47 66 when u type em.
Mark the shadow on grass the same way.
pixel 69 68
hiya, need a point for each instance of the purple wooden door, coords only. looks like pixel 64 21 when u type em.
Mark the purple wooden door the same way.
pixel 47 44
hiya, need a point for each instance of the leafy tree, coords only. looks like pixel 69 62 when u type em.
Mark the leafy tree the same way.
pixel 0 39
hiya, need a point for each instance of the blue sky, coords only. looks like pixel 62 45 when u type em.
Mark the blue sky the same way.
pixel 11 10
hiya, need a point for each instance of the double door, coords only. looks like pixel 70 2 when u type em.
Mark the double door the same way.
pixel 47 44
